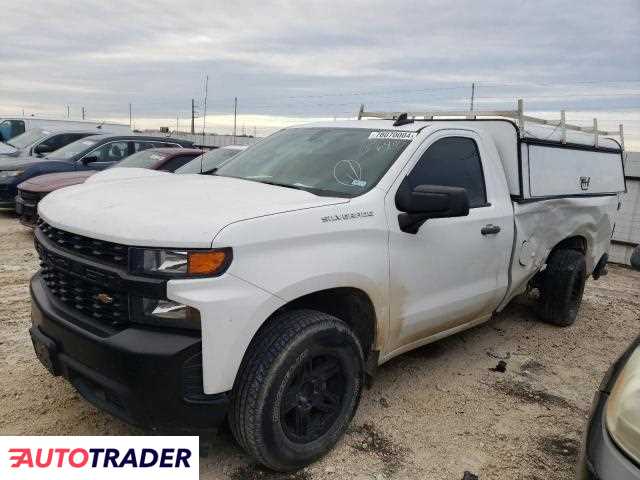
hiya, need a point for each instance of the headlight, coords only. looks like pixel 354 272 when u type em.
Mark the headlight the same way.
pixel 10 173
pixel 164 313
pixel 623 408
pixel 180 263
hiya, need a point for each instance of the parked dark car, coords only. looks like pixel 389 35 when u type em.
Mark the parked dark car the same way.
pixel 33 190
pixel 96 152
pixel 39 142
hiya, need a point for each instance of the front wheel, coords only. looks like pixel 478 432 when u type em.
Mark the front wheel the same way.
pixel 297 389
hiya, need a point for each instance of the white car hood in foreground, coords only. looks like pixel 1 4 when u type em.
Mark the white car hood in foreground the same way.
pixel 168 210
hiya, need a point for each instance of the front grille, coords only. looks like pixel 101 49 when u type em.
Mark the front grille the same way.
pixel 30 197
pixel 106 252
pixel 90 299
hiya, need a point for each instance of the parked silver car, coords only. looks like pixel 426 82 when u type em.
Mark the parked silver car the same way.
pixel 611 447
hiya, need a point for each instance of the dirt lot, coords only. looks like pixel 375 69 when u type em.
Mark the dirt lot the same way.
pixel 432 413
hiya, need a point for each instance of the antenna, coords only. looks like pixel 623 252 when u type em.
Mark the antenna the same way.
pixel 235 116
pixel 473 95
pixel 206 94
pixel 193 116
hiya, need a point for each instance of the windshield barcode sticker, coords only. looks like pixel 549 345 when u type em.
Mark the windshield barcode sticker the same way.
pixel 390 135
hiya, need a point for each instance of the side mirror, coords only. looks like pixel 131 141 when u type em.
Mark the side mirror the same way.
pixel 88 160
pixel 43 148
pixel 635 258
pixel 429 201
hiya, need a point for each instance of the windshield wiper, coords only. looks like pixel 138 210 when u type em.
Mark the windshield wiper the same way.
pixel 286 185
pixel 316 191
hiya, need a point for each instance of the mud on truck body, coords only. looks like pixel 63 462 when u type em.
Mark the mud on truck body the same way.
pixel 266 294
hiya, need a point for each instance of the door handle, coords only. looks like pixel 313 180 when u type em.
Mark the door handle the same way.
pixel 490 229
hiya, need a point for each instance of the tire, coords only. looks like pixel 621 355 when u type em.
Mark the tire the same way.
pixel 562 287
pixel 297 389
pixel 635 258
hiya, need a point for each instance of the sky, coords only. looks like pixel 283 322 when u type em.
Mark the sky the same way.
pixel 291 62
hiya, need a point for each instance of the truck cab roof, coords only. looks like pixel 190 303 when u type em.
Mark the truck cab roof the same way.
pixel 368 124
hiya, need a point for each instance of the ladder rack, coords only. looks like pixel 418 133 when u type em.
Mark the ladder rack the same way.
pixel 518 115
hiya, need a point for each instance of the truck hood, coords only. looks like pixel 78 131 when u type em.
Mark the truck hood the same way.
pixel 177 211
pixel 53 181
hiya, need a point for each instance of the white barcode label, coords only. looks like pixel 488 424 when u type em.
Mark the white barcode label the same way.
pixel 393 135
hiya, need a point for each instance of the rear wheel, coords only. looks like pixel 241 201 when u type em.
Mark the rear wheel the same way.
pixel 562 287
pixel 297 389
pixel 635 258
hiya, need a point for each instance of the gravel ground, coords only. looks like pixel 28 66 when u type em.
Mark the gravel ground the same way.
pixel 432 413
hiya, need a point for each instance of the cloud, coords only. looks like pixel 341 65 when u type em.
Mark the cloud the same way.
pixel 317 58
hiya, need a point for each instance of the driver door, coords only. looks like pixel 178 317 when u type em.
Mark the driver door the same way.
pixel 449 273
pixel 106 155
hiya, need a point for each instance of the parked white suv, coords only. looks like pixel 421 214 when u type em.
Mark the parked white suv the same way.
pixel 267 292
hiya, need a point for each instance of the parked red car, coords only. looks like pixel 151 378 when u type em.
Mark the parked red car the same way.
pixel 31 191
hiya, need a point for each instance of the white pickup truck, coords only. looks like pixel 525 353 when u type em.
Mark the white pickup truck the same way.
pixel 268 292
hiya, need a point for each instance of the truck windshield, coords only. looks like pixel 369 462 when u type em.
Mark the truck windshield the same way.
pixel 74 148
pixel 28 138
pixel 344 162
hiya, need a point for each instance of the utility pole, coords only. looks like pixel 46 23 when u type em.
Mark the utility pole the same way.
pixel 67 111
pixel 193 116
pixel 177 123
pixel 473 94
pixel 83 113
pixel 130 116
pixel 235 117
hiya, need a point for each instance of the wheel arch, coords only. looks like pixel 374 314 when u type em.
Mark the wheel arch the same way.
pixel 351 305
pixel 574 242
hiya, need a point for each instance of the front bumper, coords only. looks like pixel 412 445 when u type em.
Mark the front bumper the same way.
pixel 7 195
pixel 27 210
pixel 147 377
pixel 601 459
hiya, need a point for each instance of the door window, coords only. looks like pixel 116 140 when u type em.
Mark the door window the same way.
pixel 176 162
pixel 58 141
pixel 110 152
pixel 143 145
pixel 452 162
pixel 140 146
pixel 11 128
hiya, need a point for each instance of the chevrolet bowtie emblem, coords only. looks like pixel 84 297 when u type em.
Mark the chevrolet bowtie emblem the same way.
pixel 104 298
